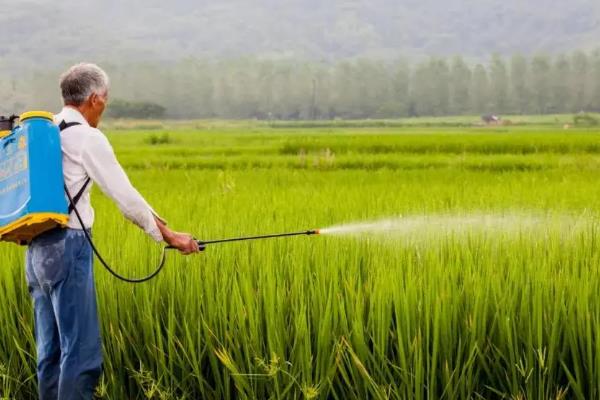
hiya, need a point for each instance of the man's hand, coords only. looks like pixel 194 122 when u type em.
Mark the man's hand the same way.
pixel 184 242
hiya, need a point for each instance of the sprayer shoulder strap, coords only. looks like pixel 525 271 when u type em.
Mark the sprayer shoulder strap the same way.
pixel 62 126
pixel 78 195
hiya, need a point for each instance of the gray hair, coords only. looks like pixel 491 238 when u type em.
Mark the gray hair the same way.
pixel 81 81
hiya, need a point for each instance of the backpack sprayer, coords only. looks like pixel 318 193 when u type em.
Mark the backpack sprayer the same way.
pixel 33 196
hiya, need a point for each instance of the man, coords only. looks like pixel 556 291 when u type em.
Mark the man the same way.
pixel 59 262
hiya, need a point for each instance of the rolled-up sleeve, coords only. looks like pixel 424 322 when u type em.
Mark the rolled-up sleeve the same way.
pixel 103 168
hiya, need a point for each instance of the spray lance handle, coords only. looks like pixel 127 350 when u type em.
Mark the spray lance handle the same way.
pixel 201 245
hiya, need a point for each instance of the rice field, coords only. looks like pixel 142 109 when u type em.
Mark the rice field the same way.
pixel 484 284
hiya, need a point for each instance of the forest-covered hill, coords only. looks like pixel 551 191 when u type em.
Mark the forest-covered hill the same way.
pixel 53 33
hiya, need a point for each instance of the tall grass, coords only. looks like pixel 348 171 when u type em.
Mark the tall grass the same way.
pixel 480 315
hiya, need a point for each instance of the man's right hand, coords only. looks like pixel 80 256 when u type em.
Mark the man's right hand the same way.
pixel 184 242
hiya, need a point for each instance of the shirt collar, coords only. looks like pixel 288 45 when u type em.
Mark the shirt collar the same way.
pixel 69 114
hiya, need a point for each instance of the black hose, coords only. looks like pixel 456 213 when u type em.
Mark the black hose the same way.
pixel 105 265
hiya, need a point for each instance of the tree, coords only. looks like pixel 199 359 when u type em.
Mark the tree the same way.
pixel 400 96
pixel 595 81
pixel 480 90
pixel 344 90
pixel 519 92
pixel 499 85
pixel 560 100
pixel 441 72
pixel 540 84
pixel 431 89
pixel 460 83
pixel 579 81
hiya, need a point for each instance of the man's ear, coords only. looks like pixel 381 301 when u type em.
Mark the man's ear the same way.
pixel 93 99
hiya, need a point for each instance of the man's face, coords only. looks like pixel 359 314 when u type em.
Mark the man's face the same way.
pixel 96 105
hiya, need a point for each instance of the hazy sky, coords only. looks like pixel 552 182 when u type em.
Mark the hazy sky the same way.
pixel 115 30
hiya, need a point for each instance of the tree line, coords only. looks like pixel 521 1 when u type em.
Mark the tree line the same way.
pixel 364 88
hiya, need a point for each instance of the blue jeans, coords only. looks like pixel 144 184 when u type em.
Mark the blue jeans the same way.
pixel 61 283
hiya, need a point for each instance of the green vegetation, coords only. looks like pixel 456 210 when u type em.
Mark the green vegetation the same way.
pixel 300 90
pixel 488 314
pixel 586 120
pixel 118 108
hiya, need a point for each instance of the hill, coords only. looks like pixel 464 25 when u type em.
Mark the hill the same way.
pixel 38 32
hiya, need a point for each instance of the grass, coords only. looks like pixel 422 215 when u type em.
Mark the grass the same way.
pixel 481 315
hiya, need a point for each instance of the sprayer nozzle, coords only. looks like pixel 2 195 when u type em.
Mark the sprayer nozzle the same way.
pixel 313 232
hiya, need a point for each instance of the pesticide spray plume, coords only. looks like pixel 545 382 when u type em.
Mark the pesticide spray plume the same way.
pixel 417 227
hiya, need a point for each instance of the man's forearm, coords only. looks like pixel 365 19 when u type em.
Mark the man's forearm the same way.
pixel 166 233
pixel 184 242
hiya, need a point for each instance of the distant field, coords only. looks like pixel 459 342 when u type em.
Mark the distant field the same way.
pixel 233 148
pixel 448 312
pixel 551 120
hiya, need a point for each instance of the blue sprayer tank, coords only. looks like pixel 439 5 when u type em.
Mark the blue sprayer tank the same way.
pixel 32 197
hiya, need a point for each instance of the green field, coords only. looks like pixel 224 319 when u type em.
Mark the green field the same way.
pixel 444 313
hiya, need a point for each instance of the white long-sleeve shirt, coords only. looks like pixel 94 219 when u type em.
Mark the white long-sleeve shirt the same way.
pixel 87 153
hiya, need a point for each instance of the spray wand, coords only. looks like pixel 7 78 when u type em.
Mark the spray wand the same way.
pixel 202 243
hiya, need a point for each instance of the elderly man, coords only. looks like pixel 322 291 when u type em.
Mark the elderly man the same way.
pixel 59 262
